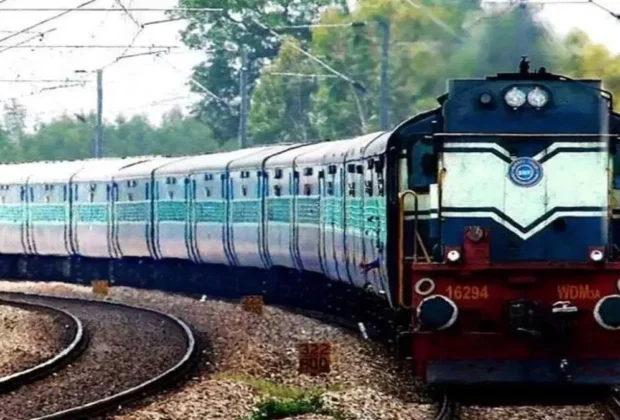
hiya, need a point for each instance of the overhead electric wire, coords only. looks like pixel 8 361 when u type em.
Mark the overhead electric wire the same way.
pixel 77 46
pixel 307 75
pixel 196 83
pixel 44 90
pixel 43 81
pixel 141 54
pixel 124 53
pixel 45 20
pixel 600 6
pixel 122 6
pixel 157 102
pixel 320 25
pixel 344 77
pixel 157 22
pixel 432 17
pixel 111 9
pixel 4 48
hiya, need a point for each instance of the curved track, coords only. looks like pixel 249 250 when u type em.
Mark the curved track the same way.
pixel 448 409
pixel 612 404
pixel 132 351
pixel 62 358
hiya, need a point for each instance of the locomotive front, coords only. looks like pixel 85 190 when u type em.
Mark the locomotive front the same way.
pixel 507 240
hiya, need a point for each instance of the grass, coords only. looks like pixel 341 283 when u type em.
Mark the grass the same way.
pixel 306 404
pixel 286 400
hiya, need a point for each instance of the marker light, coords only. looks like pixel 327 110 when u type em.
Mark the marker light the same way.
pixel 486 98
pixel 537 98
pixel 454 256
pixel 475 233
pixel 596 255
pixel 515 97
pixel 424 287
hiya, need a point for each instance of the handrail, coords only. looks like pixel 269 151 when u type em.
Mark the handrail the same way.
pixel 401 242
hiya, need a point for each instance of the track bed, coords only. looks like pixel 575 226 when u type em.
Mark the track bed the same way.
pixel 127 347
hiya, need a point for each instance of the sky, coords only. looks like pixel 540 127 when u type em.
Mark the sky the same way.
pixel 150 84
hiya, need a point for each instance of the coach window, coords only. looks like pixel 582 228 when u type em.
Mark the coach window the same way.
pixel 330 188
pixel 352 189
pixel 422 162
pixel 616 163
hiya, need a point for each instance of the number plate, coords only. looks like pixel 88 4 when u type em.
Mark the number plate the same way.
pixel 468 292
pixel 100 287
pixel 253 304
pixel 315 358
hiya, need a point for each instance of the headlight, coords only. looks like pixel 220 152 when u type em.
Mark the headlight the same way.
pixel 454 256
pixel 538 98
pixel 596 255
pixel 515 97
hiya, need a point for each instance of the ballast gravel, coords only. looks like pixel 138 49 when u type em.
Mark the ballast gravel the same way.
pixel 243 354
pixel 589 412
pixel 30 337
pixel 126 348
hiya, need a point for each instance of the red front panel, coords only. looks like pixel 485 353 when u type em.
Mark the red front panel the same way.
pixel 483 331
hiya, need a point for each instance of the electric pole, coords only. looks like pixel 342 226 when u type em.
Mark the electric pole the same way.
pixel 99 129
pixel 385 81
pixel 245 103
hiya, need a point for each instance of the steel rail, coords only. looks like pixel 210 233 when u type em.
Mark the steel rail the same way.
pixel 612 404
pixel 449 409
pixel 69 353
pixel 155 384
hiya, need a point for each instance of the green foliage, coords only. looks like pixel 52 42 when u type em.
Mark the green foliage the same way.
pixel 285 400
pixel 221 33
pixel 303 404
pixel 279 409
pixel 276 390
pixel 66 138
pixel 428 45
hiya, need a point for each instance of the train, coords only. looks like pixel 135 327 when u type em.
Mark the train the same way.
pixel 491 222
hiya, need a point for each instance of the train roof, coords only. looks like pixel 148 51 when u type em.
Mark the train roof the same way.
pixel 285 158
pixel 358 149
pixel 201 163
pixel 144 168
pixel 103 170
pixel 378 145
pixel 255 160
pixel 17 173
pixel 55 172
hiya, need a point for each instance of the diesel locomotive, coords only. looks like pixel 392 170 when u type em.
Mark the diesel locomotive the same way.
pixel 491 222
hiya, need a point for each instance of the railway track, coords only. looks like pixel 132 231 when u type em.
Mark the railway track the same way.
pixel 62 358
pixel 448 408
pixel 612 404
pixel 132 352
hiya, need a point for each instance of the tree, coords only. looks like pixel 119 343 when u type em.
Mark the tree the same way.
pixel 221 34
pixel 15 120
pixel 63 138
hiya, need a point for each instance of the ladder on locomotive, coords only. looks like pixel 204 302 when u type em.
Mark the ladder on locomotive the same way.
pixel 418 242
